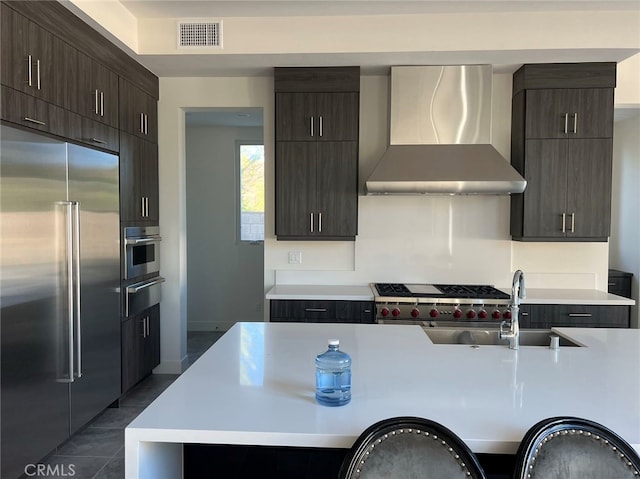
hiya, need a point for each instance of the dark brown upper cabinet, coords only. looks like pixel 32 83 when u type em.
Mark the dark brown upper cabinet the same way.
pixel 569 113
pixel 316 192
pixel 317 118
pixel 139 194
pixel 561 142
pixel 138 111
pixel 97 92
pixel 36 62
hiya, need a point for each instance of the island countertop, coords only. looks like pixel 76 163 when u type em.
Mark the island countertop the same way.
pixel 256 386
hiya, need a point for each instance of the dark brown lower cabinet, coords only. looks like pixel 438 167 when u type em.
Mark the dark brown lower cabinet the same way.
pixel 140 346
pixel 310 311
pixel 544 316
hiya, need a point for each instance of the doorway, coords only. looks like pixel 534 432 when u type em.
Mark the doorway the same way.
pixel 225 217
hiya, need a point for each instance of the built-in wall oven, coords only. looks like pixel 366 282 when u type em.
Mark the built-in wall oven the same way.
pixel 141 268
pixel 141 251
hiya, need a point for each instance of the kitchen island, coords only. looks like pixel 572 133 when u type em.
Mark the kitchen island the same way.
pixel 255 386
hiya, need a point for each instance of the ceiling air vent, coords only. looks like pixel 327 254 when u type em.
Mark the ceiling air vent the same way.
pixel 200 34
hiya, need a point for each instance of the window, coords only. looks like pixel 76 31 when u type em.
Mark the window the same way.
pixel 251 191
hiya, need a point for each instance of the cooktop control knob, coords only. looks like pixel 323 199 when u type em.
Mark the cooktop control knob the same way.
pixel 496 314
pixel 395 312
pixel 415 312
pixel 457 313
pixel 471 314
pixel 434 313
pixel 384 311
pixel 483 314
pixel 507 314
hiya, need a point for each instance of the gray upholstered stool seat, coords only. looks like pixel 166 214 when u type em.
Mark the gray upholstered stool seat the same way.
pixel 410 448
pixel 574 448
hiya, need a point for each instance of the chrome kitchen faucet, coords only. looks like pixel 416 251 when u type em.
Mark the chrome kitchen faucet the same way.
pixel 517 293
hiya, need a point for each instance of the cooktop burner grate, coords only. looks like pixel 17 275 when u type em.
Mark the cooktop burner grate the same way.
pixel 471 291
pixel 393 289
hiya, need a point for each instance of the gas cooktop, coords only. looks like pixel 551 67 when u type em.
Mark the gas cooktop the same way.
pixel 457 291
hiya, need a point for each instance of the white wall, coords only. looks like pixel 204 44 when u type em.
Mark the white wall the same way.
pixel 625 213
pixel 225 276
pixel 176 96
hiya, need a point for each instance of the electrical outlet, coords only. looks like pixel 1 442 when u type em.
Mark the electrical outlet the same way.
pixel 295 257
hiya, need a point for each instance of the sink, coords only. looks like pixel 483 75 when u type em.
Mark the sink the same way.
pixel 481 337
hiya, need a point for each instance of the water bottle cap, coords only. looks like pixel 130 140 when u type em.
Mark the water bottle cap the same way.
pixel 334 342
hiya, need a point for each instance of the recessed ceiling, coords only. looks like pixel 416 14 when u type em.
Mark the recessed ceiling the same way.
pixel 268 8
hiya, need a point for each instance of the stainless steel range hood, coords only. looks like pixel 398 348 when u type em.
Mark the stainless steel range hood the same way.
pixel 440 135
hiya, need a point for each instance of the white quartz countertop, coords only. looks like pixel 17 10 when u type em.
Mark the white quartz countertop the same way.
pixel 256 386
pixel 365 293
pixel 321 292
pixel 573 296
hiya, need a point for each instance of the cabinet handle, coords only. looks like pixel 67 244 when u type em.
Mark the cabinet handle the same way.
pixel 311 125
pixel 147 201
pixel 575 123
pixel 29 70
pixel 95 103
pixel 311 222
pixel 611 284
pixel 524 314
pixel 38 73
pixel 564 222
pixel 573 222
pixel 37 122
pixel 98 140
pixel 566 123
pixel 101 103
pixel 320 126
pixel 148 327
pixel 141 122
pixel 142 206
pixel 319 222
pixel 315 310
pixel 580 315
pixel 146 124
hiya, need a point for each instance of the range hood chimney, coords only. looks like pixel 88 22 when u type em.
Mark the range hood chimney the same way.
pixel 440 135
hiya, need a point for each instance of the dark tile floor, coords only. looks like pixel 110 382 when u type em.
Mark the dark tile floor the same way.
pixel 97 451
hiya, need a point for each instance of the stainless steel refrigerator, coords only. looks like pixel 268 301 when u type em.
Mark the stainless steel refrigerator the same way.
pixel 59 284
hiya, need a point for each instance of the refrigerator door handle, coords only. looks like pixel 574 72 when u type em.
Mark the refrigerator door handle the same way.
pixel 69 263
pixel 76 260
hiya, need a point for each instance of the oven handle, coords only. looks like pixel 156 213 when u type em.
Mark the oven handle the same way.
pixel 136 241
pixel 135 288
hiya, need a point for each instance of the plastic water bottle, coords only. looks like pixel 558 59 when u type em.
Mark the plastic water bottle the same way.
pixel 333 376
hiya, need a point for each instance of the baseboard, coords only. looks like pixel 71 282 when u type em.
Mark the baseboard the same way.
pixel 171 367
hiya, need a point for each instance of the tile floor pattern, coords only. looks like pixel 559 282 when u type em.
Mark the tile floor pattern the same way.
pixel 97 451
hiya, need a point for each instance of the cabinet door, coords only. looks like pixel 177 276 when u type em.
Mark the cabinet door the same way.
pixel 338 114
pixel 590 112
pixel 132 341
pixel 152 339
pixel 99 135
pixel 545 195
pixel 130 198
pixel 148 181
pixel 138 112
pixel 98 91
pixel 15 49
pixel 31 112
pixel 589 188
pixel 546 114
pixel 337 189
pixel 139 196
pixel 296 117
pixel 295 188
